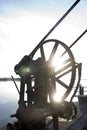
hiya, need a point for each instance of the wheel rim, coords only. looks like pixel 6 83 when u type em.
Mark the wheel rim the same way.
pixel 52 51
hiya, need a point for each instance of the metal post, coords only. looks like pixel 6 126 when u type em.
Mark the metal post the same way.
pixel 55 122
pixel 81 90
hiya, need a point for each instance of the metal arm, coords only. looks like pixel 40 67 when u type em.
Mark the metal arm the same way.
pixel 59 21
pixel 76 40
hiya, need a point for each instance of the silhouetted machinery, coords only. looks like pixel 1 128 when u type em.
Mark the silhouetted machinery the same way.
pixel 50 67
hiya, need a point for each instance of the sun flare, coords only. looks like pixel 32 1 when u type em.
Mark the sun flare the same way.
pixel 59 64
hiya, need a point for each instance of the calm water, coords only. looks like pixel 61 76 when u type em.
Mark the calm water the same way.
pixel 8 101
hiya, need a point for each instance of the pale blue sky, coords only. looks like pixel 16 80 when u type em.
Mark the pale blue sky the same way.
pixel 27 21
pixel 7 6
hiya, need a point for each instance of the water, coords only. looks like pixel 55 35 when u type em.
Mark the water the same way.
pixel 8 101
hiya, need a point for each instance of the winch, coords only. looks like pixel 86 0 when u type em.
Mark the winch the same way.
pixel 49 69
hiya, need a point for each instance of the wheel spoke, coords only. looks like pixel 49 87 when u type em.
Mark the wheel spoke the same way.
pixel 67 61
pixel 65 71
pixel 42 52
pixel 61 75
pixel 62 83
pixel 53 51
pixel 63 68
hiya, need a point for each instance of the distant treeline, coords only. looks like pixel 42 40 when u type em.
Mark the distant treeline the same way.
pixel 9 79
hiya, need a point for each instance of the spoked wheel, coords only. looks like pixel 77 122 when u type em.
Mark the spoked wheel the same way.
pixel 58 56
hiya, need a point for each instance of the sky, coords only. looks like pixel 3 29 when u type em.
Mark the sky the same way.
pixel 23 23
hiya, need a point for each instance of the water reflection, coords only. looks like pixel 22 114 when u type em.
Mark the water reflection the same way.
pixel 8 101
